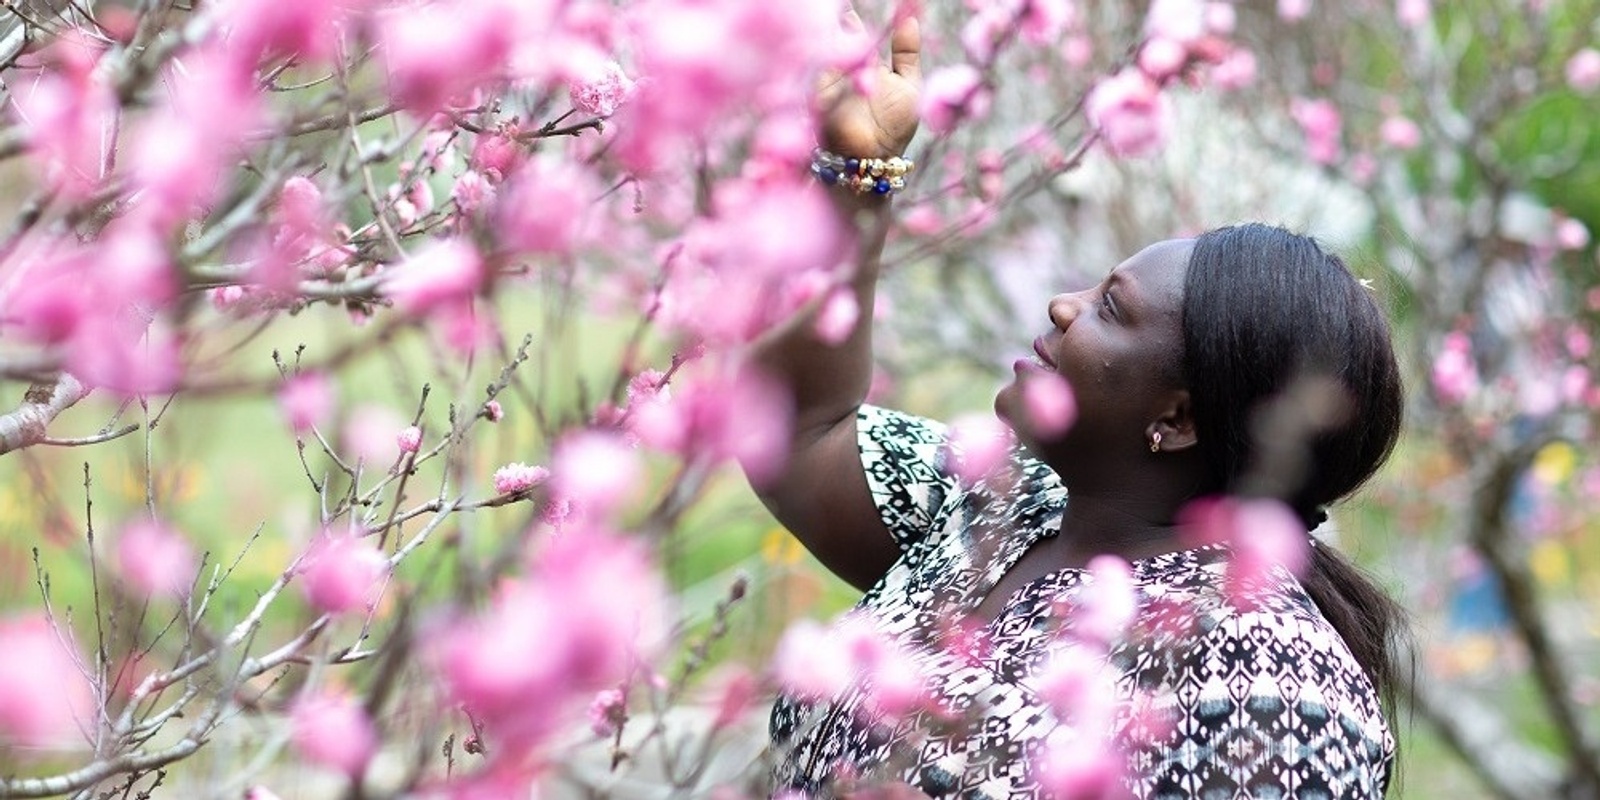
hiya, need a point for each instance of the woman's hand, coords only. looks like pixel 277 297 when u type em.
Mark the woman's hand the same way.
pixel 879 125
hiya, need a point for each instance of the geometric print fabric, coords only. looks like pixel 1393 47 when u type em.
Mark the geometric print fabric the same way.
pixel 1212 700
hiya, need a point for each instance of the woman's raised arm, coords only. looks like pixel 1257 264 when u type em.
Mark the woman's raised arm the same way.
pixel 822 495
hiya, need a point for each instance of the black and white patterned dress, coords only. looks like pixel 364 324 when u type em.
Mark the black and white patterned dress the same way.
pixel 1213 700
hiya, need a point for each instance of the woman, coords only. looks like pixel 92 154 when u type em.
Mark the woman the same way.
pixel 1180 361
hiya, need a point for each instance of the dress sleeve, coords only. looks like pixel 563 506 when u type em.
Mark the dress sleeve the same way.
pixel 1270 705
pixel 903 456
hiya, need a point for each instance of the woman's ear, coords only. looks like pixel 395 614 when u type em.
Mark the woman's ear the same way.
pixel 1173 431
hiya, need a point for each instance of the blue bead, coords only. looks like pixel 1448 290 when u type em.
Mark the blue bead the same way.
pixel 881 187
pixel 852 165
pixel 829 175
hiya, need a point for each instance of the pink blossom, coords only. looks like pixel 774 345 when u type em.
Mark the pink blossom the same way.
pixel 738 415
pixel 518 477
pixel 45 700
pixel 736 690
pixel 1413 13
pixel 1236 70
pixel 601 93
pixel 542 211
pixel 1583 70
pixel 984 30
pixel 472 191
pixel 68 116
pixel 1264 535
pixel 979 445
pixel 1079 760
pixel 340 573
pixel 479 36
pixel 224 298
pixel 493 411
pixel 1455 375
pixel 1293 10
pixel 1220 18
pixel 1161 58
pixel 836 319
pixel 608 712
pixel 1131 113
pixel 126 354
pixel 1050 404
pixel 306 400
pixel 1180 21
pixel 1320 121
pixel 260 793
pixel 1043 21
pixel 647 386
pixel 953 94
pixel 444 272
pixel 305 29
pixel 1112 601
pixel 1077 50
pixel 591 606
pixel 369 435
pixel 1400 133
pixel 155 559
pixel 332 729
pixel 595 471
pixel 1571 234
pixel 497 154
pixel 409 439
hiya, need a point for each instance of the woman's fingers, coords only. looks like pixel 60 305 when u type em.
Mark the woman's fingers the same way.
pixel 905 48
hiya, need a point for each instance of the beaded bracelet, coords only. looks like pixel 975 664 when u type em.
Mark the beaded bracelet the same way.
pixel 861 175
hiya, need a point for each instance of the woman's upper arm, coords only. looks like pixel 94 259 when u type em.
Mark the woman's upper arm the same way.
pixel 862 490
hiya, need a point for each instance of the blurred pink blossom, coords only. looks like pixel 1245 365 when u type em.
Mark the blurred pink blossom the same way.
pixel 817 661
pixel 738 415
pixel 155 558
pixel 68 115
pixel 1236 70
pixel 259 793
pixel 1077 50
pixel 1413 13
pixel 1220 18
pixel 478 35
pixel 45 700
pixel 1180 21
pixel 736 692
pixel 952 94
pixel 1161 58
pixel 595 470
pixel 1044 21
pixel 1320 122
pixel 837 316
pixel 1131 113
pixel 543 209
pixel 1293 10
pixel 331 729
pixel 601 92
pixel 369 435
pixel 1400 133
pixel 1110 603
pixel 979 445
pixel 1571 234
pixel 441 273
pixel 496 154
pixel 1263 535
pixel 305 29
pixel 306 400
pixel 1051 406
pixel 1583 70
pixel 340 573
pixel 493 411
pixel 518 477
pixel 1455 376
pixel 591 606
pixel 409 439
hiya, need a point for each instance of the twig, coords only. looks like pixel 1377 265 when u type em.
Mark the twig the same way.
pixel 42 403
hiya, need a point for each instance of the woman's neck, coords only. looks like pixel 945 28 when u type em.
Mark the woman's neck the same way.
pixel 1127 527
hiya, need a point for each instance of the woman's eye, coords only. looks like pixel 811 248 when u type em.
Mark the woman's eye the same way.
pixel 1105 302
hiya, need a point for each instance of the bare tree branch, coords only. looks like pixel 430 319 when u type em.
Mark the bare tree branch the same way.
pixel 43 402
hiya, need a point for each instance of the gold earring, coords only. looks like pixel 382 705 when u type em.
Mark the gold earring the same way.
pixel 1155 442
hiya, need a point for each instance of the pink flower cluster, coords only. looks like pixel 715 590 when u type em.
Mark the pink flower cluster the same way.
pixel 602 92
pixel 1264 536
pixel 332 730
pixel 1320 121
pixel 518 477
pixel 1454 373
pixel 590 607
pixel 341 573
pixel 738 415
pixel 156 559
pixel 813 660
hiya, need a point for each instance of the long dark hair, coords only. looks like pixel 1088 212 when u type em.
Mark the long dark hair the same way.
pixel 1296 393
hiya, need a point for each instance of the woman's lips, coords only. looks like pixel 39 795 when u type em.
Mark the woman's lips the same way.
pixel 1043 352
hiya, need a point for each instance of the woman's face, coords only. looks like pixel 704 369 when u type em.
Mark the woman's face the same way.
pixel 1119 345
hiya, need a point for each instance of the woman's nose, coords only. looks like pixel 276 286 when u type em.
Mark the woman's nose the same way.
pixel 1064 308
